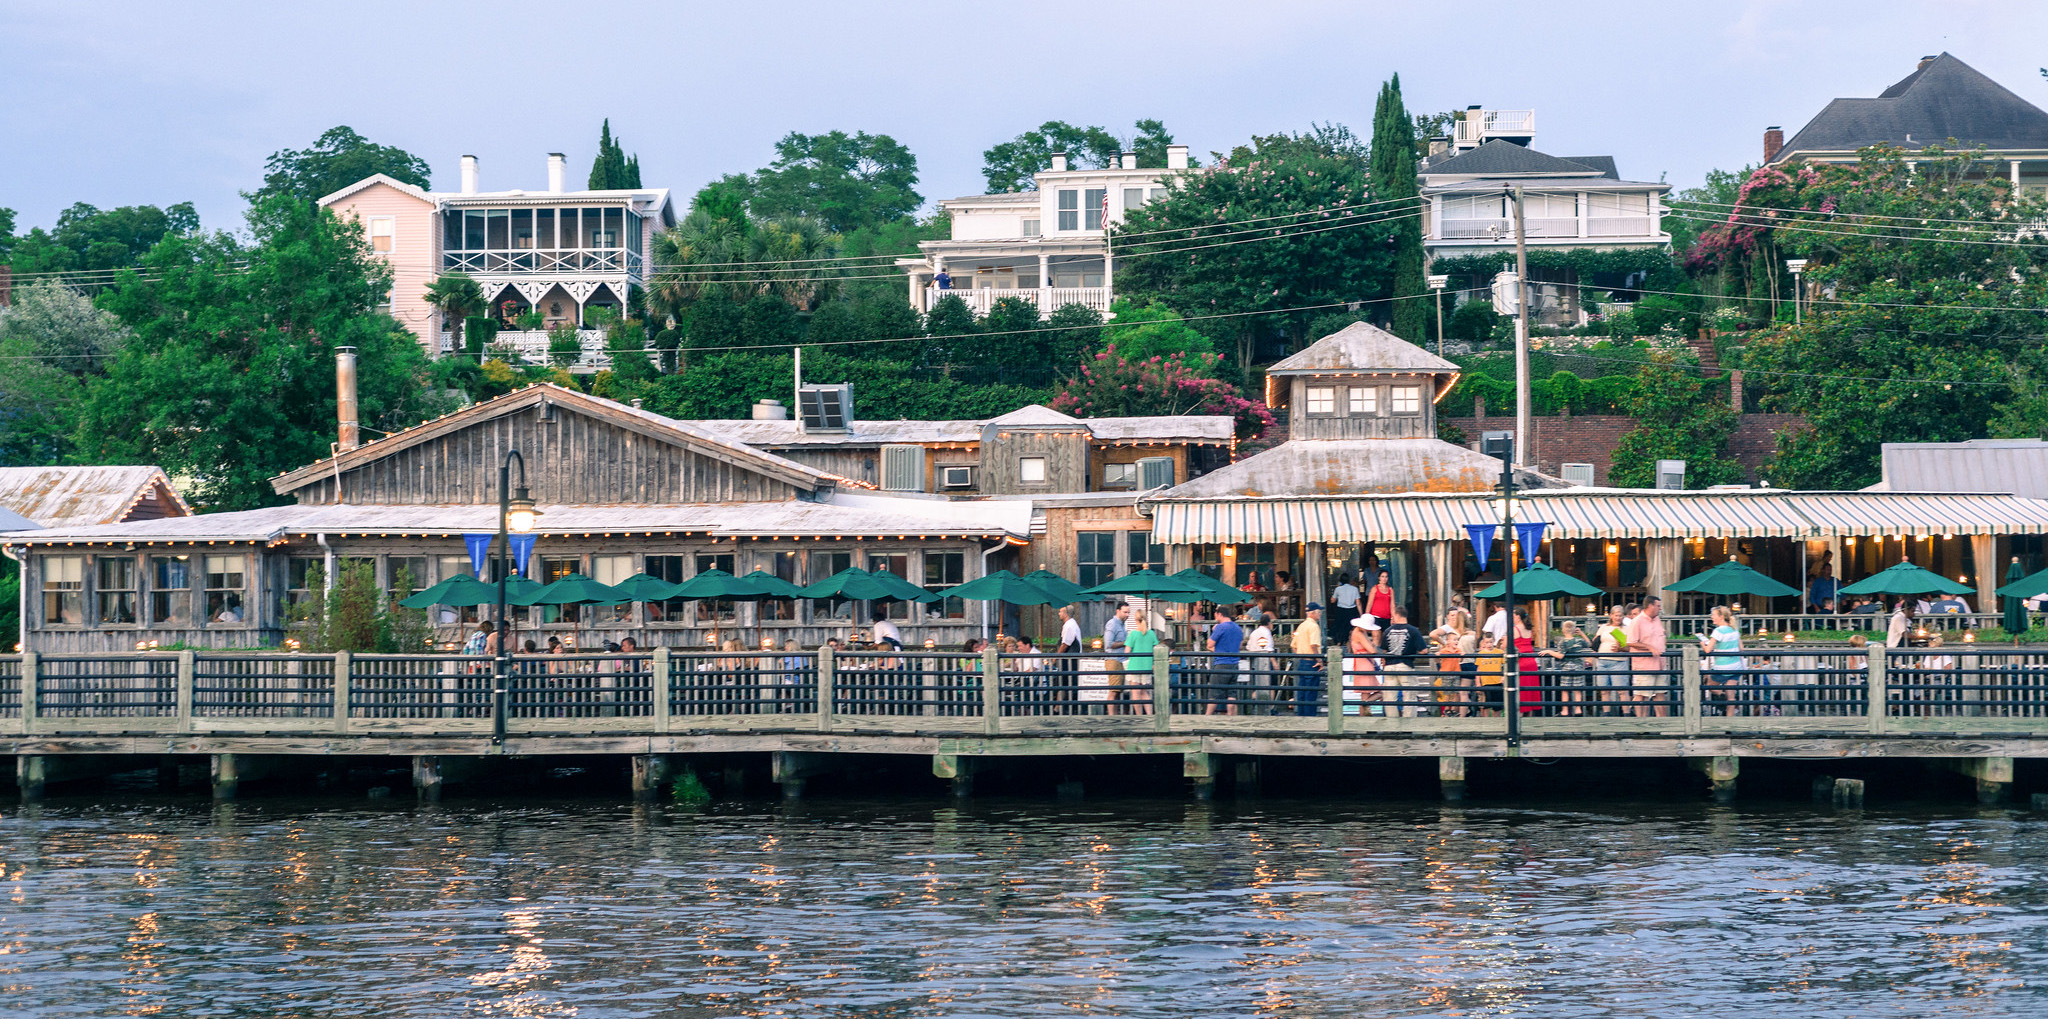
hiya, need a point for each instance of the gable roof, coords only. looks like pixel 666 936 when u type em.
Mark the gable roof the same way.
pixel 1362 347
pixel 1308 468
pixel 694 437
pixel 1500 158
pixel 2009 466
pixel 1944 99
pixel 80 496
pixel 378 178
pixel 1035 414
pixel 860 433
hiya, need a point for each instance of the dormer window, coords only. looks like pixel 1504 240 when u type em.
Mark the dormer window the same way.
pixel 1407 400
pixel 1322 400
pixel 1365 400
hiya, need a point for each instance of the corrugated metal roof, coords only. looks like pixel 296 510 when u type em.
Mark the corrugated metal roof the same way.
pixel 1331 467
pixel 846 513
pixel 1362 347
pixel 76 496
pixel 787 434
pixel 1582 513
pixel 2013 466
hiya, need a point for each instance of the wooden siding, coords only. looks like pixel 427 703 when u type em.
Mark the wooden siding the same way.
pixel 571 459
pixel 1342 424
pixel 1065 453
pixel 1107 455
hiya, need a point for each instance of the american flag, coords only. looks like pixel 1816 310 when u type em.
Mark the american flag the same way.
pixel 1105 210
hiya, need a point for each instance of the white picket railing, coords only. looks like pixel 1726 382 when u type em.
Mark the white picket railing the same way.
pixel 1047 299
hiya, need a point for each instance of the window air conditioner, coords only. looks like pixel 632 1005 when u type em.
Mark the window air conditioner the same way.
pixel 956 477
pixel 1155 472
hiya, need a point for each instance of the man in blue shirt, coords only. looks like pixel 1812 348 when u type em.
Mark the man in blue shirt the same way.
pixel 1226 639
pixel 1823 588
pixel 943 280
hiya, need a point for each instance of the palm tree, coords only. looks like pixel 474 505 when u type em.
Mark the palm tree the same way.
pixel 458 296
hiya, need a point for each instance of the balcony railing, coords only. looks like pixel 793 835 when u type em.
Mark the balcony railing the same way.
pixel 1479 125
pixel 530 346
pixel 1503 230
pixel 1047 299
pixel 578 260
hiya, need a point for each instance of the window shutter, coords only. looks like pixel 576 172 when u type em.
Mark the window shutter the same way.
pixel 1155 472
pixel 903 468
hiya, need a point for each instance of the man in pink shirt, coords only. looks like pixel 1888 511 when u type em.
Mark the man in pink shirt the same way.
pixel 1646 638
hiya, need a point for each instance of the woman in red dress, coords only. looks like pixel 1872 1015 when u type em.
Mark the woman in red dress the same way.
pixel 1379 602
pixel 1525 647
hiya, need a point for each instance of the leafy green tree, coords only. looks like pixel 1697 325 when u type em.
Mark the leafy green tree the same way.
pixel 1076 332
pixel 1433 125
pixel 229 378
pixel 1473 320
pixel 460 298
pixel 6 235
pixel 847 182
pixel 1150 144
pixel 1167 250
pixel 52 340
pixel 613 170
pixel 1152 330
pixel 1008 166
pixel 1678 418
pixel 338 158
pixel 952 326
pixel 769 321
pixel 721 246
pixel 1394 191
pixel 88 238
pixel 1113 385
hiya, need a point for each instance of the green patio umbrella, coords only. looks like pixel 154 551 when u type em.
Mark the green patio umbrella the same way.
pixel 1905 578
pixel 1003 586
pixel 1059 587
pixel 461 589
pixel 2017 590
pixel 902 589
pixel 647 588
pixel 860 585
pixel 519 590
pixel 763 584
pixel 1731 577
pixel 577 589
pixel 712 584
pixel 1218 590
pixel 1541 582
pixel 1151 584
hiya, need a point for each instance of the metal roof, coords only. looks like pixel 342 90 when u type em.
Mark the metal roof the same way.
pixel 1944 99
pixel 75 496
pixel 788 434
pixel 1362 347
pixel 2013 466
pixel 1330 467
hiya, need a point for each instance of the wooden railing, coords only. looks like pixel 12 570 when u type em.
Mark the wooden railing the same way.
pixel 1842 692
pixel 562 260
pixel 1952 626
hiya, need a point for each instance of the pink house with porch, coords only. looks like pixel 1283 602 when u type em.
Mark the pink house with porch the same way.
pixel 557 251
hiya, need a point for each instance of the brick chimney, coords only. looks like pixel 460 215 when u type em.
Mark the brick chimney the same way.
pixel 1924 61
pixel 1774 142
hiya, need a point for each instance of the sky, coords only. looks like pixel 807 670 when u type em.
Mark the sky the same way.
pixel 153 103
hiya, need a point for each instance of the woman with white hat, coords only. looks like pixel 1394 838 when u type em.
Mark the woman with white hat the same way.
pixel 1362 669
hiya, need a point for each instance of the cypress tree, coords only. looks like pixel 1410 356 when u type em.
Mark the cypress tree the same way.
pixel 1392 177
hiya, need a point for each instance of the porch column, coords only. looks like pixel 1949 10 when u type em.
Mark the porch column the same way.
pixel 2015 175
pixel 1984 552
pixel 1313 585
pixel 1437 562
pixel 1662 557
pixel 916 290
pixel 1107 269
pixel 1045 284
pixel 1179 557
pixel 1582 215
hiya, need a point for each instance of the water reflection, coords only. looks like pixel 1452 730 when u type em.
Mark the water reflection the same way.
pixel 1136 909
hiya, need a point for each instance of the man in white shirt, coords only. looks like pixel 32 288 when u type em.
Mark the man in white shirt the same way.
pixel 1497 624
pixel 885 631
pixel 1343 604
pixel 1068 682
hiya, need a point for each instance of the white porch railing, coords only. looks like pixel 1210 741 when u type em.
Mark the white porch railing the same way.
pixel 1479 125
pixel 531 345
pixel 1503 230
pixel 1047 299
pixel 543 261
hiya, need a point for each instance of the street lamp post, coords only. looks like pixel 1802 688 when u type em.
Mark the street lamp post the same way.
pixel 1798 267
pixel 1511 691
pixel 515 516
pixel 1438 283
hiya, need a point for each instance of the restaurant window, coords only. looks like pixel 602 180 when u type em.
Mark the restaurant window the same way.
pixel 943 570
pixel 608 570
pixel 1365 400
pixel 1070 209
pixel 552 570
pixel 408 576
pixel 1031 469
pixel 226 587
pixel 170 590
pixel 302 574
pixel 114 590
pixel 716 610
pixel 1630 566
pixel 898 564
pixel 823 566
pixel 1406 400
pixel 383 230
pixel 1142 554
pixel 449 567
pixel 1119 475
pixel 1091 207
pixel 1095 556
pixel 780 610
pixel 1322 400
pixel 64 590
pixel 668 568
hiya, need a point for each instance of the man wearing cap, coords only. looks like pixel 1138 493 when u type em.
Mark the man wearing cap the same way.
pixel 1226 639
pixel 1307 641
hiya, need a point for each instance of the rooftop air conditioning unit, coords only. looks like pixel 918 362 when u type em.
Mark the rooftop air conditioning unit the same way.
pixel 1576 474
pixel 902 468
pixel 956 476
pixel 1670 475
pixel 1498 444
pixel 1155 472
pixel 825 408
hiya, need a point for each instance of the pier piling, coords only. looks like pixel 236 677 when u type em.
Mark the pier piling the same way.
pixel 426 778
pixel 956 769
pixel 1849 792
pixel 1993 775
pixel 227 782
pixel 1721 771
pixel 1450 777
pixel 651 772
pixel 31 773
pixel 1195 764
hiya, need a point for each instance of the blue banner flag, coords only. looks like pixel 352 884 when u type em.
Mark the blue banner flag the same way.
pixel 1482 541
pixel 1531 537
pixel 522 546
pixel 479 551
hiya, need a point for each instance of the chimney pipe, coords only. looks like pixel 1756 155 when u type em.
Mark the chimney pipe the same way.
pixel 1130 160
pixel 1059 162
pixel 469 175
pixel 558 172
pixel 1176 157
pixel 345 398
pixel 1774 142
pixel 1924 61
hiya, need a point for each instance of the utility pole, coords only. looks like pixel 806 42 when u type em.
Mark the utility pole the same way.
pixel 1524 441
pixel 1437 284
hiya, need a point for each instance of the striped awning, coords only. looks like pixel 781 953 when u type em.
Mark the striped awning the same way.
pixel 1596 514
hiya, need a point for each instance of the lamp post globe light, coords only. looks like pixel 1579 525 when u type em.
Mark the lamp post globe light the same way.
pixel 516 515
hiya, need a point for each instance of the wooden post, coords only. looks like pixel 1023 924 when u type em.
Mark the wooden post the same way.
pixel 31 689
pixel 226 779
pixel 1993 775
pixel 1689 686
pixel 955 769
pixel 1876 694
pixel 1721 771
pixel 827 667
pixel 650 773
pixel 188 667
pixel 991 690
pixel 344 664
pixel 662 688
pixel 31 773
pixel 1333 686
pixel 1162 689
pixel 1195 764
pixel 1848 792
pixel 426 778
pixel 1450 777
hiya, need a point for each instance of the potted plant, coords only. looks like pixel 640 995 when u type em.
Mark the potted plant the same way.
pixel 529 320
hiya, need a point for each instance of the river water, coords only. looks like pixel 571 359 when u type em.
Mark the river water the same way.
pixel 1138 908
